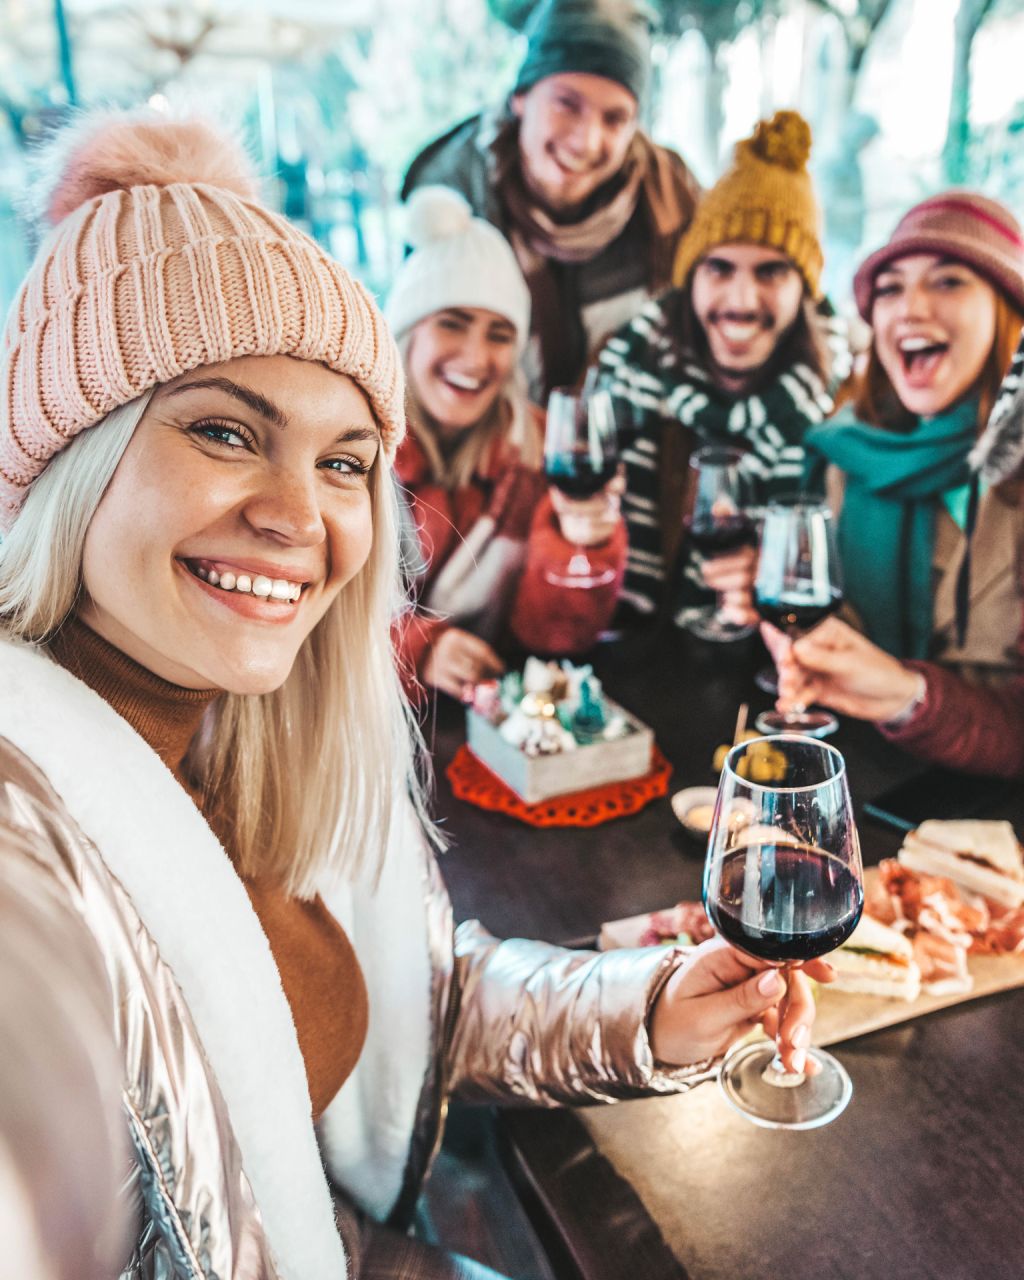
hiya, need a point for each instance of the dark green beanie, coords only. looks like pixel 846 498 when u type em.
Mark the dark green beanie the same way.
pixel 610 38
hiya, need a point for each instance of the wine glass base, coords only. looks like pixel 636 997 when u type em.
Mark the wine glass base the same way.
pixel 747 1082
pixel 813 724
pixel 711 627
pixel 579 581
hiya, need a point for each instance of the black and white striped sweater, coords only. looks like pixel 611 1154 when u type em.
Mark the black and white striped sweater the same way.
pixel 651 380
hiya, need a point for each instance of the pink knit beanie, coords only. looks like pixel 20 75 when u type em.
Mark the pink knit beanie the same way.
pixel 162 260
pixel 963 225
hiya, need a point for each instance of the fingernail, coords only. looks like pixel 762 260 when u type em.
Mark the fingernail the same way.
pixel 769 983
pixel 801 1037
pixel 798 1060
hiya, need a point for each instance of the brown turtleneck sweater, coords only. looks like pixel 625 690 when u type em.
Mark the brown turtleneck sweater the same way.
pixel 319 970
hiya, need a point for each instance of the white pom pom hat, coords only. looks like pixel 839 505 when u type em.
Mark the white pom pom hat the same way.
pixel 457 261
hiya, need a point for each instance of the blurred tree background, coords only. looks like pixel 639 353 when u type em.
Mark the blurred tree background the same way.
pixel 905 96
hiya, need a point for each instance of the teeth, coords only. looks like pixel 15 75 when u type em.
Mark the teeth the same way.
pixel 464 383
pixel 572 164
pixel 917 344
pixel 739 332
pixel 260 586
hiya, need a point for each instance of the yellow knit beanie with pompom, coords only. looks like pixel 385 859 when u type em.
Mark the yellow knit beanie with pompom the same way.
pixel 765 198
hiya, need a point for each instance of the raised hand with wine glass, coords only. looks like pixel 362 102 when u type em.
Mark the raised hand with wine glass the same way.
pixel 718 526
pixel 783 882
pixel 798 584
pixel 581 463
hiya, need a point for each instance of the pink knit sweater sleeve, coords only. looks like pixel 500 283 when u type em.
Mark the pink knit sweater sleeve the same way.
pixel 547 618
pixel 960 725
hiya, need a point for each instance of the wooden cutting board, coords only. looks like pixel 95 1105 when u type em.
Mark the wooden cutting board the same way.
pixel 841 1016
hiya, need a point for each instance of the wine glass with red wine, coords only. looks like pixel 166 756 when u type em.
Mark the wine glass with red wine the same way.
pixel 717 522
pixel 798 585
pixel 783 881
pixel 580 458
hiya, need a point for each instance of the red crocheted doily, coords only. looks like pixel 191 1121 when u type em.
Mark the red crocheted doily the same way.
pixel 471 780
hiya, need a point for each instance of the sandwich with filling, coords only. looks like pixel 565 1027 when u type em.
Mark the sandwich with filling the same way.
pixel 982 856
pixel 876 961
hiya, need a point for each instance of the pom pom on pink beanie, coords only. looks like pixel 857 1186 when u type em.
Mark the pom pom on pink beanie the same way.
pixel 162 260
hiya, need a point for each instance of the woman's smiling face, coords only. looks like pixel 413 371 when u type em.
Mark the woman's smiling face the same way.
pixel 458 361
pixel 239 510
pixel 935 322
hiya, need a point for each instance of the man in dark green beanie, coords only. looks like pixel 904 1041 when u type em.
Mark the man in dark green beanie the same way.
pixel 593 209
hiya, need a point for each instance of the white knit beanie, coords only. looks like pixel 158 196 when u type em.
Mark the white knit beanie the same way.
pixel 457 261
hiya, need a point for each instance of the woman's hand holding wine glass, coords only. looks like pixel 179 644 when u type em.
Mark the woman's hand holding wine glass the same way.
pixel 783 882
pixel 840 668
pixel 581 464
pixel 720 994
pixel 797 586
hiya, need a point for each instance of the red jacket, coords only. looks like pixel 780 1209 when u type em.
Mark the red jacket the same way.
pixel 975 728
pixel 508 502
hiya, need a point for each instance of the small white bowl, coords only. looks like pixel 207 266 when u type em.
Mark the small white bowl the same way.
pixel 685 802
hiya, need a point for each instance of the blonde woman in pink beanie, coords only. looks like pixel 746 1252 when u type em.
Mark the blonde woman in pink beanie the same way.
pixel 205 752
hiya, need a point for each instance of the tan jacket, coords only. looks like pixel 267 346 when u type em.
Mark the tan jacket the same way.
pixel 990 651
pixel 229 1173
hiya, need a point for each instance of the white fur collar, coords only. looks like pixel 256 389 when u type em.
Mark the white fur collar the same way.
pixel 156 843
pixel 365 1131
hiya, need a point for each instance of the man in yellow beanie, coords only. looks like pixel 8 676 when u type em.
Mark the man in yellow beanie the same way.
pixel 736 353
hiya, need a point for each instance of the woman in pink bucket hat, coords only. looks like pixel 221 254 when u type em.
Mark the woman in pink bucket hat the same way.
pixel 931 526
pixel 205 754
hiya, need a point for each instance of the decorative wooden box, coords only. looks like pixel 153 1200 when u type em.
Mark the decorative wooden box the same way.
pixel 536 778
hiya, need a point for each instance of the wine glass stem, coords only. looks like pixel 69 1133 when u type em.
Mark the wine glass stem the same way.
pixel 775 1072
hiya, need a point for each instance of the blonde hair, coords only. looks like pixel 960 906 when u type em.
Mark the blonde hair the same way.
pixel 874 397
pixel 508 421
pixel 306 776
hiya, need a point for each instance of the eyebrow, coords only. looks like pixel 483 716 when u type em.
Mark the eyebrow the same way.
pixel 265 408
pixel 894 268
pixel 253 399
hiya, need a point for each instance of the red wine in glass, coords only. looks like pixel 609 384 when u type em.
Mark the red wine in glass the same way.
pixel 798 585
pixel 580 459
pixel 716 521
pixel 783 882
pixel 785 902
pixel 716 535
pixel 797 614
pixel 577 474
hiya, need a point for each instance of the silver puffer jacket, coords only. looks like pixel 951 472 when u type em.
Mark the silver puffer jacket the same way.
pixel 506 1021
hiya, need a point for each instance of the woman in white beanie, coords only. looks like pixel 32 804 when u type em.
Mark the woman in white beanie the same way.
pixel 473 461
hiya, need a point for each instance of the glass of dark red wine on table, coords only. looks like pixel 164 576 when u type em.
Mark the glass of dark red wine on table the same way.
pixel 798 585
pixel 580 458
pixel 717 522
pixel 783 882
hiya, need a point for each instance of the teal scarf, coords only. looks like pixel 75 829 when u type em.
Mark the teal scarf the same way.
pixel 894 482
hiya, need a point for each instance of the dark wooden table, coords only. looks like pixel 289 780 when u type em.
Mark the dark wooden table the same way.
pixel 920 1178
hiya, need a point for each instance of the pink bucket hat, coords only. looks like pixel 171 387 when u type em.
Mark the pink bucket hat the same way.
pixel 162 260
pixel 963 225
